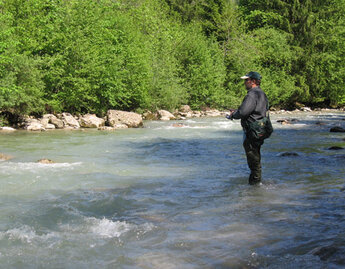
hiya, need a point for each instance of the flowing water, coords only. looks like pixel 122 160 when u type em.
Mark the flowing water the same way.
pixel 174 196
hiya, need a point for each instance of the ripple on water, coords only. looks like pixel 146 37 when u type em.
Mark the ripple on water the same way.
pixel 173 197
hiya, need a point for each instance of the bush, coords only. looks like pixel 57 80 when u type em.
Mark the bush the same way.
pixel 202 69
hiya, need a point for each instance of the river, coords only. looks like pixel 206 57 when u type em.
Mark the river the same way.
pixel 167 196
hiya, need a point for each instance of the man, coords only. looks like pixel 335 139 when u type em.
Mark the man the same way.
pixel 253 107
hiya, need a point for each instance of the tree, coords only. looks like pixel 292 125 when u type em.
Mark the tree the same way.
pixel 317 38
pixel 202 69
pixel 21 87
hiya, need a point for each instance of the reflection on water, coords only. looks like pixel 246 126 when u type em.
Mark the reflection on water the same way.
pixel 173 196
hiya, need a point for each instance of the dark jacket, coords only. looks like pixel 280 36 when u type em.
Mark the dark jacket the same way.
pixel 253 107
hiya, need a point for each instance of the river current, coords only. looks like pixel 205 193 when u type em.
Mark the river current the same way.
pixel 174 195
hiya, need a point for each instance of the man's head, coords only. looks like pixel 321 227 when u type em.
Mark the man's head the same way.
pixel 251 80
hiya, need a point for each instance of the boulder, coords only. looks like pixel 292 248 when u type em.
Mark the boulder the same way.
pixel 186 112
pixel 52 119
pixel 45 121
pixel 35 126
pixel 70 121
pixel 287 121
pixel 165 115
pixel 7 129
pixel 107 128
pixel 32 124
pixel 45 161
pixel 121 126
pixel 123 119
pixel 5 157
pixel 57 123
pixel 183 115
pixel 148 115
pixel 324 252
pixel 283 122
pixel 50 126
pixel 282 111
pixel 337 129
pixel 335 148
pixel 197 114
pixel 185 109
pixel 91 121
pixel 306 109
pixel 212 113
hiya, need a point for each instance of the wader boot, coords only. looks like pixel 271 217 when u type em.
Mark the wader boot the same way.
pixel 252 149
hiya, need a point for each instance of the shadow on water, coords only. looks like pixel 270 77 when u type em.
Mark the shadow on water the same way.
pixel 185 151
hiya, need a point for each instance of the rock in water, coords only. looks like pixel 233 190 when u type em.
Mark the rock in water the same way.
pixel 5 157
pixel 52 119
pixel 337 129
pixel 288 154
pixel 287 121
pixel 45 161
pixel 335 148
pixel 324 252
pixel 7 129
pixel 121 119
pixel 91 121
pixel 165 115
pixel 70 121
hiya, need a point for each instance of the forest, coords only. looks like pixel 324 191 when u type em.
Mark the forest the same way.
pixel 136 55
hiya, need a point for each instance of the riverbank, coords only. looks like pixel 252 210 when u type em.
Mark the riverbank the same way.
pixel 116 119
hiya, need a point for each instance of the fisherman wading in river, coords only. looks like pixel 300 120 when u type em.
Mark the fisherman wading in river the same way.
pixel 255 122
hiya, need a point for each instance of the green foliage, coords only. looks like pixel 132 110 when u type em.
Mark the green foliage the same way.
pixel 258 19
pixel 161 37
pixel 318 39
pixel 325 67
pixel 202 69
pixel 275 57
pixel 268 52
pixel 103 64
pixel 21 87
pixel 90 56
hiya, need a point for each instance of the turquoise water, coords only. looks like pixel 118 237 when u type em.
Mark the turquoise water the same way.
pixel 173 197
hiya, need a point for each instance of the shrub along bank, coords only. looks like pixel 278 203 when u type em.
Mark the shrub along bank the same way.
pixel 92 56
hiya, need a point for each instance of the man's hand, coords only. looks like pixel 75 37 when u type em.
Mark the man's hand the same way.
pixel 229 116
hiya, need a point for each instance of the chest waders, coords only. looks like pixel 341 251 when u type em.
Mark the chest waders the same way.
pixel 252 146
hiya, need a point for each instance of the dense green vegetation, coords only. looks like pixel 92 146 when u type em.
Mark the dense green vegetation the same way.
pixel 90 56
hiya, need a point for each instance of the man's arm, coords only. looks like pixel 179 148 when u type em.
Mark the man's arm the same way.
pixel 245 109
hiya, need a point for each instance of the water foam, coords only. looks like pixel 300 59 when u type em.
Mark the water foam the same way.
pixel 25 234
pixel 201 125
pixel 225 124
pixel 113 229
pixel 9 167
pixel 108 228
